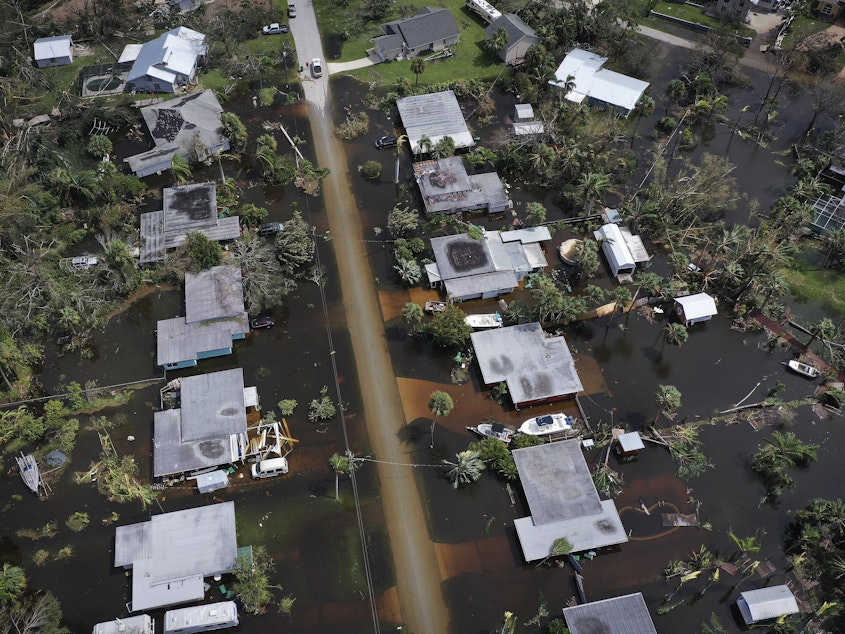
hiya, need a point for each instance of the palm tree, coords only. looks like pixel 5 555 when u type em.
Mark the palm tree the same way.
pixel 400 141
pixel 181 169
pixel 496 42
pixel 594 185
pixel 467 469
pixel 418 68
pixel 560 546
pixel 12 583
pixel 676 90
pixel 643 108
pixel 823 329
pixel 440 404
pixel 409 272
pixel 668 399
pixel 835 242
pixel 424 144
pixel 341 465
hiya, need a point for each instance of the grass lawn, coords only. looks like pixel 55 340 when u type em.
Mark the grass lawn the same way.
pixel 470 61
pixel 801 28
pixel 810 284
pixel 691 14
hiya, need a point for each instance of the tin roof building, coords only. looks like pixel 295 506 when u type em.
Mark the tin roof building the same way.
pixel 139 624
pixel 563 501
pixel 434 116
pixel 208 430
pixel 766 604
pixel 172 553
pixel 214 317
pixel 53 51
pixel 695 308
pixel 536 368
pixel 627 614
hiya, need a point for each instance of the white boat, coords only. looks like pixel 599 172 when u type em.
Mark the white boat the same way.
pixel 493 430
pixel 803 369
pixel 488 320
pixel 30 473
pixel 547 424
pixel 568 250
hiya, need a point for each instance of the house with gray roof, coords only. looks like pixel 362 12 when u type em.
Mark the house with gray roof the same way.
pixel 53 51
pixel 563 502
pixel 447 188
pixel 214 318
pixel 189 126
pixel 536 368
pixel 429 29
pixel 627 614
pixel 187 209
pixel 171 554
pixel 167 62
pixel 487 267
pixel 208 429
pixel 433 116
pixel 521 37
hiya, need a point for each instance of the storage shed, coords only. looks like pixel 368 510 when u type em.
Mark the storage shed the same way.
pixel 692 309
pixel 630 444
pixel 766 604
pixel 53 51
pixel 615 248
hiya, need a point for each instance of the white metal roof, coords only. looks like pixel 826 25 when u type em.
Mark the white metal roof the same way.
pixel 434 115
pixel 595 82
pixel 614 246
pixel 766 603
pixel 209 616
pixel 627 614
pixel 697 306
pixel 523 111
pixel 139 624
pixel 172 53
pixel 52 47
pixel 130 53
pixel 631 441
pixel 527 236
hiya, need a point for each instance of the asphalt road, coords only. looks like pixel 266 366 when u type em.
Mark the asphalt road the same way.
pixel 417 573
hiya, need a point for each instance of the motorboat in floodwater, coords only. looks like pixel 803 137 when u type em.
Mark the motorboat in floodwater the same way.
pixel 547 424
pixel 493 430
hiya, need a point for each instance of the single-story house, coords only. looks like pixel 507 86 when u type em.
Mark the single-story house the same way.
pixel 208 429
pixel 172 553
pixel 621 248
pixel 692 309
pixel 563 502
pixel 167 62
pixel 487 267
pixel 189 126
pixel 187 209
pixel 627 614
pixel 536 368
pixel 521 37
pixel 53 51
pixel 524 123
pixel 594 84
pixel 766 604
pixel 214 318
pixel 447 188
pixel 433 117
pixel 429 29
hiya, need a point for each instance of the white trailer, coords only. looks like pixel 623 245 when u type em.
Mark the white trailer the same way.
pixel 487 11
pixel 140 624
pixel 201 618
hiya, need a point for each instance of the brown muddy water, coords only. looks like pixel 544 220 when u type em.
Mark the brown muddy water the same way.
pixel 314 539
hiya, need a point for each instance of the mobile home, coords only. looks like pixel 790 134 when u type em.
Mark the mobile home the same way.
pixel 201 618
pixel 487 11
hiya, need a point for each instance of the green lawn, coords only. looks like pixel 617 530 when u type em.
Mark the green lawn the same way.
pixel 691 14
pixel 470 61
pixel 801 28
pixel 809 284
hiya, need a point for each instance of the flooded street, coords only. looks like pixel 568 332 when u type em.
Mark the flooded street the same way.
pixel 416 555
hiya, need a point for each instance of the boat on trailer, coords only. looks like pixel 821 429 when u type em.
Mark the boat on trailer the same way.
pixel 493 430
pixel 803 369
pixel 487 320
pixel 30 473
pixel 547 424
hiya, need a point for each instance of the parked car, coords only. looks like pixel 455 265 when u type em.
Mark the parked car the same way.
pixel 270 228
pixel 264 321
pixel 84 262
pixel 274 29
pixel 386 142
pixel 316 67
pixel 291 10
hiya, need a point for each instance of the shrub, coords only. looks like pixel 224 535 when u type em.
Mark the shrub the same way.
pixel 371 170
pixel 78 521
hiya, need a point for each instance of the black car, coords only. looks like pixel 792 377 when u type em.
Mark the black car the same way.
pixel 265 321
pixel 270 228
pixel 386 142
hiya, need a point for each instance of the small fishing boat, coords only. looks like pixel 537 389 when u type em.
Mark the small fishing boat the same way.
pixel 30 473
pixel 493 430
pixel 547 424
pixel 568 250
pixel 803 369
pixel 435 307
pixel 488 320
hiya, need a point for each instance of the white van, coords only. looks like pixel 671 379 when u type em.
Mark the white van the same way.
pixel 270 468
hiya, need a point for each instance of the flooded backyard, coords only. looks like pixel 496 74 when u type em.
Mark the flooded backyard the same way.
pixel 316 541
